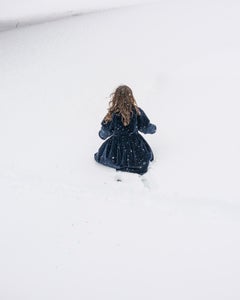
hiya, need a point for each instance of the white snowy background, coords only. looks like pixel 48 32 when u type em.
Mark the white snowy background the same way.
pixel 14 14
pixel 68 229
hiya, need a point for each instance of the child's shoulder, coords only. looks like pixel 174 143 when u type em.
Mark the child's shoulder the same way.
pixel 141 111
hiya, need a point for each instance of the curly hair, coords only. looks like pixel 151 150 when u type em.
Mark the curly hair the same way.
pixel 122 102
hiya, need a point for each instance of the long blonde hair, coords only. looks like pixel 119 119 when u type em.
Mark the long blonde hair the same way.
pixel 122 102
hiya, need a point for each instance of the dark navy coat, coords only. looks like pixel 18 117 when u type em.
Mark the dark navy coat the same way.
pixel 126 149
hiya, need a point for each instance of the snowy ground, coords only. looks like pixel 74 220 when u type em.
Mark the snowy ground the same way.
pixel 15 14
pixel 68 229
pixel 12 9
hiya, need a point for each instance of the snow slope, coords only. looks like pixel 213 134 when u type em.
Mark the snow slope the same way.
pixel 68 229
pixel 13 9
pixel 15 14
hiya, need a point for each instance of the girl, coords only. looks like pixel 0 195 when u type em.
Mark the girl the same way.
pixel 125 150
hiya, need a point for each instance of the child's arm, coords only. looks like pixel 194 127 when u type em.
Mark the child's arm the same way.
pixel 106 130
pixel 144 124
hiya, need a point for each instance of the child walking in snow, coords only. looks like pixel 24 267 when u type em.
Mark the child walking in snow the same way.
pixel 125 149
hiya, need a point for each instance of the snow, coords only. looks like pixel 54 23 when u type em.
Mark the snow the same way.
pixel 68 228
pixel 14 14
pixel 27 8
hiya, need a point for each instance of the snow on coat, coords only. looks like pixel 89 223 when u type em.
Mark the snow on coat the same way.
pixel 126 149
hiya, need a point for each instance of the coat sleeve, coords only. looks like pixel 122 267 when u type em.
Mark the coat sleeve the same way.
pixel 144 124
pixel 106 130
